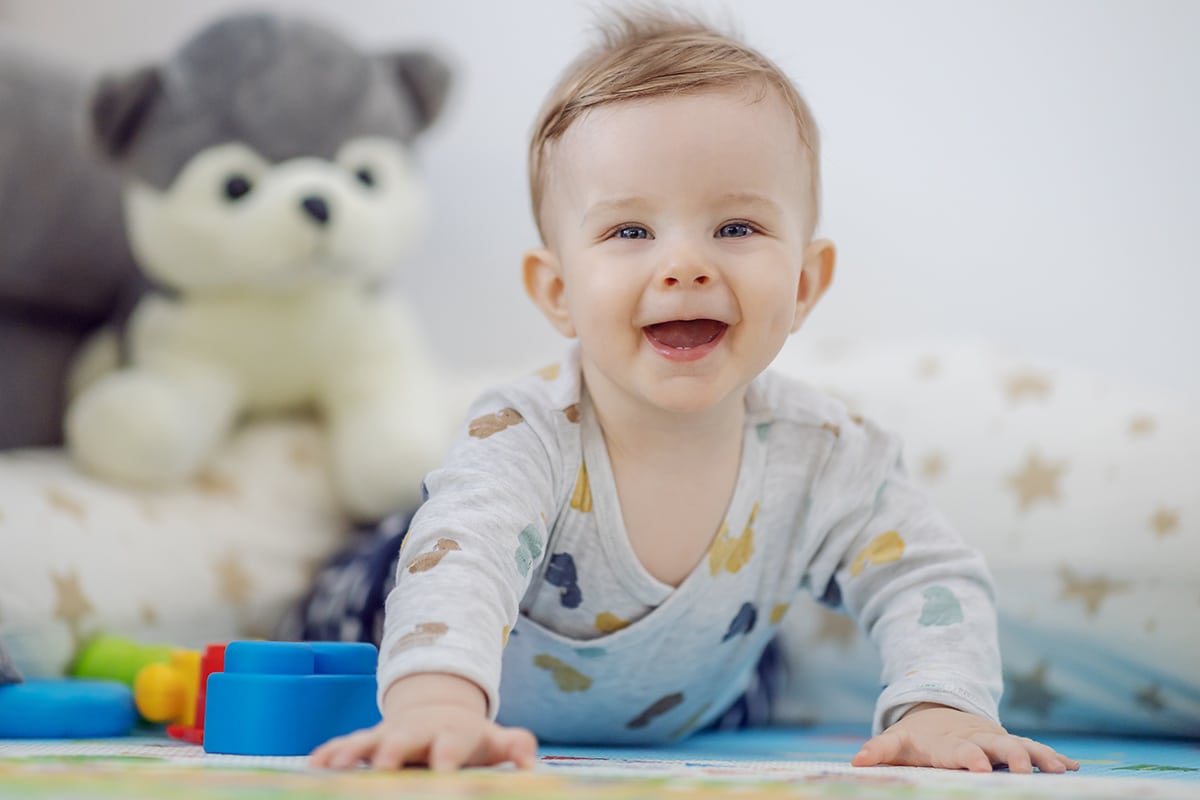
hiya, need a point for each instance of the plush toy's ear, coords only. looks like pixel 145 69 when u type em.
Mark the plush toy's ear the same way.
pixel 425 78
pixel 119 105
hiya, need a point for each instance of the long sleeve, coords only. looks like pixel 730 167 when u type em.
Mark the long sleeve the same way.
pixel 473 547
pixel 894 563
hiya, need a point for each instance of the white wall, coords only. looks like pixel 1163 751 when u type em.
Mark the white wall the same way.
pixel 1018 171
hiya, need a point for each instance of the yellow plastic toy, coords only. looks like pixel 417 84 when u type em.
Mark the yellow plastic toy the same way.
pixel 167 692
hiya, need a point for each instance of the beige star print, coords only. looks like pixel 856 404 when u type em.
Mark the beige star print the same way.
pixel 1164 521
pixel 1027 385
pixel 837 629
pixel 61 501
pixel 233 584
pixel 1037 480
pixel 1092 591
pixel 71 605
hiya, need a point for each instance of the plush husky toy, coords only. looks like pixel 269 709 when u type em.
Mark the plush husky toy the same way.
pixel 268 190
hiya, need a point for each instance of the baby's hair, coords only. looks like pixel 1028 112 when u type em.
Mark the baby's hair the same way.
pixel 650 51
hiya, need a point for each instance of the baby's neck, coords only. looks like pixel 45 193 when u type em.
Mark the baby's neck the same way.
pixel 632 431
pixel 675 475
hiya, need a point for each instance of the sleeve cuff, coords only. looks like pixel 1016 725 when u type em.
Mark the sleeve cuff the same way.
pixel 899 698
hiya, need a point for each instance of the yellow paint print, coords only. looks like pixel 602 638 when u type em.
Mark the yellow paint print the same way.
pixel 778 611
pixel 581 500
pixel 504 636
pixel 729 553
pixel 883 549
pixel 567 677
pixel 608 622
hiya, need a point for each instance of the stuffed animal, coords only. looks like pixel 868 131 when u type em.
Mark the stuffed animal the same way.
pixel 65 265
pixel 269 190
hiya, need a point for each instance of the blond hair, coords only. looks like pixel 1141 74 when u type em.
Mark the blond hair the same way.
pixel 648 52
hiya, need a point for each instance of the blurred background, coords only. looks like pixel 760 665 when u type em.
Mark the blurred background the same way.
pixel 1019 172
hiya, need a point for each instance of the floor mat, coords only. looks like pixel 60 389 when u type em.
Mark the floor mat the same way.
pixel 745 764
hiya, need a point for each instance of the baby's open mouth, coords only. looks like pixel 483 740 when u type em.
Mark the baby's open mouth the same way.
pixel 685 334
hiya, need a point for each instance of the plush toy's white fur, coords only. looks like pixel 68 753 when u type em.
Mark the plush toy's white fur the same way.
pixel 273 310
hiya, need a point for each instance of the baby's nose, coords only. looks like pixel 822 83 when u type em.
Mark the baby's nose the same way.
pixel 686 266
pixel 673 278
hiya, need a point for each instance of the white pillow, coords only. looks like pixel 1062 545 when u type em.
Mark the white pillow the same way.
pixel 1083 495
pixel 214 560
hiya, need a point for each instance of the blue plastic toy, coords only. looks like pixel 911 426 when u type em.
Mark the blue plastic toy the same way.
pixel 65 709
pixel 285 699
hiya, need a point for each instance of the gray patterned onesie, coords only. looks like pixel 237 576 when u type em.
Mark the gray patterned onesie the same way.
pixel 517 574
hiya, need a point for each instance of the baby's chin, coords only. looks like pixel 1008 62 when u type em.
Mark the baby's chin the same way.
pixel 693 395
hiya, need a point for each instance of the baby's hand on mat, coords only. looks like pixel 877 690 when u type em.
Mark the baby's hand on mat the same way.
pixel 429 720
pixel 936 736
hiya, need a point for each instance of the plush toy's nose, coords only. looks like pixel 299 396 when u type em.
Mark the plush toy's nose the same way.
pixel 317 208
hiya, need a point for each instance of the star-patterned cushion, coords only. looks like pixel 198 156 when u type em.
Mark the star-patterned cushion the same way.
pixel 212 560
pixel 1081 492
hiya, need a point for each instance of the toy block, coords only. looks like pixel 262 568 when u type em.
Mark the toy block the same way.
pixel 167 692
pixel 65 709
pixel 285 698
pixel 212 661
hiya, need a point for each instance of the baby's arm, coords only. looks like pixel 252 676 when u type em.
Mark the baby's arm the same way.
pixel 926 600
pixel 434 719
pixel 470 554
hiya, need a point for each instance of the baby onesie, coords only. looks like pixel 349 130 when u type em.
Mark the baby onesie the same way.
pixel 517 573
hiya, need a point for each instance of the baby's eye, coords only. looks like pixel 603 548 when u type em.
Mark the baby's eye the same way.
pixel 735 230
pixel 631 232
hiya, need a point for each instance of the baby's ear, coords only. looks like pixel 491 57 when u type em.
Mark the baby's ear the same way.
pixel 119 105
pixel 815 276
pixel 424 77
pixel 544 285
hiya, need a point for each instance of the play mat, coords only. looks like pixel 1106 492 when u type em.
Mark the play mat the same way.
pixel 747 764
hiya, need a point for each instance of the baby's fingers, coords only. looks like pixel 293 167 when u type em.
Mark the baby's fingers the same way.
pixel 904 750
pixel 396 749
pixel 1005 749
pixel 1033 754
pixel 496 746
pixel 451 750
pixel 882 749
pixel 892 747
pixel 518 746
pixel 345 751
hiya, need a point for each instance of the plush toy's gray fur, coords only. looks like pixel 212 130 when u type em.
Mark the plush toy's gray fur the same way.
pixel 64 262
pixel 254 79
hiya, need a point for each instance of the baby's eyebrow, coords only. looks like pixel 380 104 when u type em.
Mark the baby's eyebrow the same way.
pixel 633 204
pixel 609 206
pixel 751 199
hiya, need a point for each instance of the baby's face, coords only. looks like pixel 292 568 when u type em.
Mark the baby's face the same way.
pixel 679 227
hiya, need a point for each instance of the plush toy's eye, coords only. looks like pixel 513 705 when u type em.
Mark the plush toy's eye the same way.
pixel 237 187
pixel 365 176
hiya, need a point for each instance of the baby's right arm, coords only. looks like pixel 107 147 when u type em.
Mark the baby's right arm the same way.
pixel 435 719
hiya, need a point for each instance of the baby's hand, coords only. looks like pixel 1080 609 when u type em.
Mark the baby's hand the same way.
pixel 445 729
pixel 936 736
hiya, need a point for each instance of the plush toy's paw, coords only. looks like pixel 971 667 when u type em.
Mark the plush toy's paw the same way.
pixel 380 459
pixel 136 427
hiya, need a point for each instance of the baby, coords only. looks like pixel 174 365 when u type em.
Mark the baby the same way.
pixel 612 543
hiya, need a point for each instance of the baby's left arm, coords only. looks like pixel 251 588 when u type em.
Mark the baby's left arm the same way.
pixel 925 598
pixel 930 735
